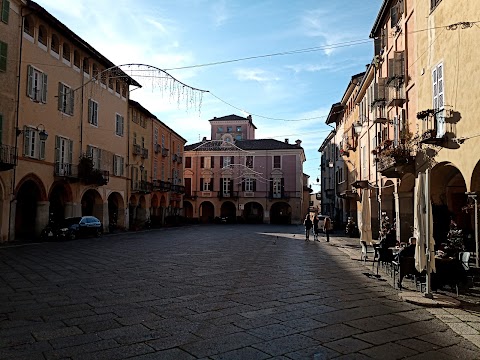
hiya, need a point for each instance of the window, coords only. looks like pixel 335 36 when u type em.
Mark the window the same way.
pixel 143 142
pixel 66 52
pixel 55 44
pixel 65 99
pixel 110 82
pixel 32 145
pixel 134 138
pixel 206 184
pixel 124 90
pixel 86 66
pixel 163 141
pixel 3 56
pixel 163 172
pixel 227 160
pixel 95 71
pixel 249 162
pixel 117 87
pixel 103 78
pixel 36 85
pixel 119 126
pixel 226 186
pixel 96 155
pixel 238 137
pixel 63 155
pixel 5 10
pixel 434 4
pixel 155 136
pixel 220 129
pixel 205 162
pixel 76 59
pixel 438 87
pixel 118 165
pixel 27 27
pixel 42 35
pixel 188 162
pixel 92 112
pixel 277 162
pixel 155 171
pixel 229 129
pixel 239 128
pixel 277 188
pixel 249 185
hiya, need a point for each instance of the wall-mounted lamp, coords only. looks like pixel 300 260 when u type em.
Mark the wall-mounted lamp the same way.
pixel 142 167
pixel 361 184
pixel 357 127
pixel 330 164
pixel 43 135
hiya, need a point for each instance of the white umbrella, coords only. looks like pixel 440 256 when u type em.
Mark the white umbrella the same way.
pixel 420 228
pixel 431 241
pixel 366 228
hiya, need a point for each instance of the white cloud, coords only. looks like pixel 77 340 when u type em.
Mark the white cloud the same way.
pixel 258 75
pixel 220 13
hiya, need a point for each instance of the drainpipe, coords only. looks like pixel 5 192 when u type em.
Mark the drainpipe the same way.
pixel 334 175
pixel 17 116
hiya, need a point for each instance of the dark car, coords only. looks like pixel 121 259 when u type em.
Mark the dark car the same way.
pixel 75 227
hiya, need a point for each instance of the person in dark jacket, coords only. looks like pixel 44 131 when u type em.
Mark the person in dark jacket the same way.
pixel 308 226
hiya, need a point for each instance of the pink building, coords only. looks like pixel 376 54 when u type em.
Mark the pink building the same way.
pixel 240 178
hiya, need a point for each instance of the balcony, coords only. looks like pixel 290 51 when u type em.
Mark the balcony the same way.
pixel 144 153
pixel 137 149
pixel 379 93
pixel 430 137
pixel 396 69
pixel 8 157
pixel 142 186
pixel 67 171
pixel 190 195
pixel 395 162
pixel 279 196
pixel 227 195
pixel 160 185
pixel 164 152
pixel 179 189
pixel 396 96
pixel 90 175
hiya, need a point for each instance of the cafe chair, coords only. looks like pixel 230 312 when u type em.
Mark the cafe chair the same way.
pixel 365 251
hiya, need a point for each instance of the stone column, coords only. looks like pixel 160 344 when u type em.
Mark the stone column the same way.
pixel 106 217
pixel 69 210
pixel 42 216
pixel 13 214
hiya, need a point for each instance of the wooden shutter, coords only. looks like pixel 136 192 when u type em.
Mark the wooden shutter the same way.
pixel 282 186
pixel 70 151
pixel 26 141
pixel 60 96
pixel 202 162
pixel 5 10
pixel 3 56
pixel 221 162
pixel 231 187
pixel 271 187
pixel 41 154
pixel 44 88
pixel 71 99
pixel 243 184
pixel 231 160
pixel 57 148
pixel 30 82
pixel 201 184
pixel 212 162
pixel 115 169
pixel 254 185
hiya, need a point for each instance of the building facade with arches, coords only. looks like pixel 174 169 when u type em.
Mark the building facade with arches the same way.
pixel 237 178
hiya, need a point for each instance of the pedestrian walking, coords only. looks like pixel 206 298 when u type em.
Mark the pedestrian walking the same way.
pixel 308 226
pixel 327 227
pixel 315 228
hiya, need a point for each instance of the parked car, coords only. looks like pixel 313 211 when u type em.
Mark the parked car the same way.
pixel 75 227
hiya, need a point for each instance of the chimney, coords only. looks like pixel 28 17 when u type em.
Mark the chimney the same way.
pixel 298 142
pixel 286 141
pixel 204 139
pixel 249 117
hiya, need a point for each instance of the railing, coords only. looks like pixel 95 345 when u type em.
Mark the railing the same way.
pixel 396 96
pixel 66 170
pixel 228 195
pixel 379 92
pixel 160 185
pixel 142 186
pixel 7 157
pixel 164 152
pixel 144 153
pixel 96 177
pixel 137 149
pixel 179 159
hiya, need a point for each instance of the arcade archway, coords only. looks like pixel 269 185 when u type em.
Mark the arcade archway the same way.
pixel 228 210
pixel 31 214
pixel 116 212
pixel 253 213
pixel 92 204
pixel 207 212
pixel 280 213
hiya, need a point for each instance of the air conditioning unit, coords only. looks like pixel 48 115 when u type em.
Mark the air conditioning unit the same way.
pixel 248 194
pixel 206 194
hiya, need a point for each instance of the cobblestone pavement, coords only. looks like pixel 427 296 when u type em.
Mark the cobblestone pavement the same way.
pixel 209 292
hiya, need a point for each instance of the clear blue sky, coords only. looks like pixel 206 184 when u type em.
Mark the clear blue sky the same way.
pixel 170 34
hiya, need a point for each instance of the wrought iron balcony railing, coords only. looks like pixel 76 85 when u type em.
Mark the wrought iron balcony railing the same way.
pixel 8 157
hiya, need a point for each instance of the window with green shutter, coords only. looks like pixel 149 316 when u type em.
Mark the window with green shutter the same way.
pixel 3 56
pixel 5 10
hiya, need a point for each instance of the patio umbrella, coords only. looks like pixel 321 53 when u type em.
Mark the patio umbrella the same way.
pixel 366 228
pixel 430 239
pixel 420 226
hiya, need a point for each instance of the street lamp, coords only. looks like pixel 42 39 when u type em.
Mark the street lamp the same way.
pixel 473 195
pixel 42 134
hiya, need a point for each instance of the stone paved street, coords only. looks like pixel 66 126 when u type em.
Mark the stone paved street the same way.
pixel 209 292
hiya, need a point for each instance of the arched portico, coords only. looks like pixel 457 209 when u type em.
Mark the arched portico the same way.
pixel 228 210
pixel 253 213
pixel 207 212
pixel 31 208
pixel 61 199
pixel 92 204
pixel 280 213
pixel 447 194
pixel 116 211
